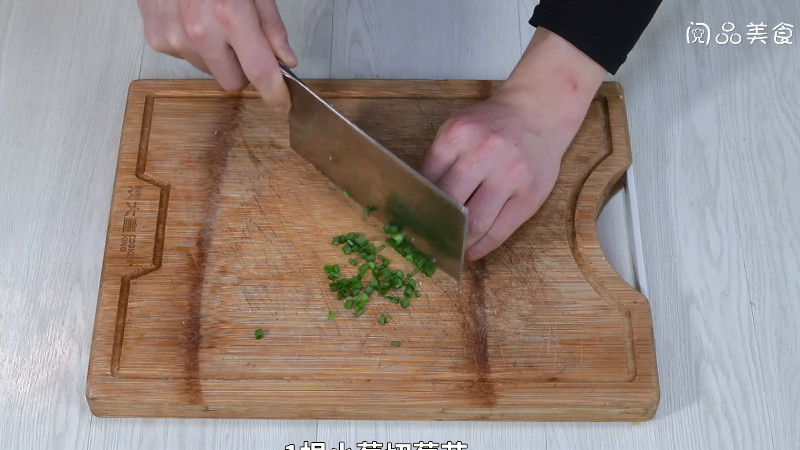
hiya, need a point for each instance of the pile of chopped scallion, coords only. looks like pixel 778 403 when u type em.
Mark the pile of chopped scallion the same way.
pixel 374 274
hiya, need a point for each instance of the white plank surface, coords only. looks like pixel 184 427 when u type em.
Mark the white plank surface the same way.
pixel 64 72
pixel 309 24
pixel 424 39
pixel 715 139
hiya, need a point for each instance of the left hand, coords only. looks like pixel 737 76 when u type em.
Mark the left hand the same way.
pixel 501 157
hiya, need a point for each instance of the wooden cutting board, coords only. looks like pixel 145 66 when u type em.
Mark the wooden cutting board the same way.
pixel 218 228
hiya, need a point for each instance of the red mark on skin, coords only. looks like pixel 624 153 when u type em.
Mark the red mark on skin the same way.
pixel 573 84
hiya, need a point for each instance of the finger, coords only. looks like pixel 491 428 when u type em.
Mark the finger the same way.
pixel 163 28
pixel 208 40
pixel 196 60
pixel 484 207
pixel 438 161
pixel 256 56
pixel 273 27
pixel 153 26
pixel 515 212
pixel 444 150
pixel 463 178
pixel 182 47
pixel 457 135
pixel 223 64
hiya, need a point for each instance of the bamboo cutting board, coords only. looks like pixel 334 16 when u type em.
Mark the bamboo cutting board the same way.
pixel 218 228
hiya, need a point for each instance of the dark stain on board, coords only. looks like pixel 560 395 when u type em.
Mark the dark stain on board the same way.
pixel 215 162
pixel 474 325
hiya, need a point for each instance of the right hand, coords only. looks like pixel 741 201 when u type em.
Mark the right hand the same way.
pixel 236 41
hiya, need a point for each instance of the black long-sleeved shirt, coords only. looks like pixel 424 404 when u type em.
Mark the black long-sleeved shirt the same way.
pixel 606 30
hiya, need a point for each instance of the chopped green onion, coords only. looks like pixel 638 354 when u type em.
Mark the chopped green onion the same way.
pixel 259 333
pixel 395 344
pixel 356 290
pixel 346 193
pixel 429 268
pixel 368 210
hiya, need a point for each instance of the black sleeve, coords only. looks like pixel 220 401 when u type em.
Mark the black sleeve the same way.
pixel 606 30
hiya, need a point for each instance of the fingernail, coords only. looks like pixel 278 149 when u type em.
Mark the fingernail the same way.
pixel 292 59
pixel 281 109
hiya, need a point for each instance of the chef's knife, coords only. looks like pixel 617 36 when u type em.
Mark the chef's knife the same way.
pixel 372 175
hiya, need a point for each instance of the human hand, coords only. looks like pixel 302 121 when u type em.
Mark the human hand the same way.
pixel 501 157
pixel 235 40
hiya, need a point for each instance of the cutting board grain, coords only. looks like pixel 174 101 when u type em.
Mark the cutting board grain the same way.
pixel 218 228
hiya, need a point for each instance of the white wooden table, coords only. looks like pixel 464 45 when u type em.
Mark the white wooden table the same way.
pixel 715 132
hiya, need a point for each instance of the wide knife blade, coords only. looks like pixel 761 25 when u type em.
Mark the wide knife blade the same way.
pixel 375 176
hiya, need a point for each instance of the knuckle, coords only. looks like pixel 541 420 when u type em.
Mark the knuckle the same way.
pixel 175 39
pixel 462 127
pixel 196 30
pixel 438 151
pixel 496 142
pixel 156 41
pixel 518 172
pixel 223 10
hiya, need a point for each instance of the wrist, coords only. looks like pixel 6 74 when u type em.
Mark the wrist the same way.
pixel 554 74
